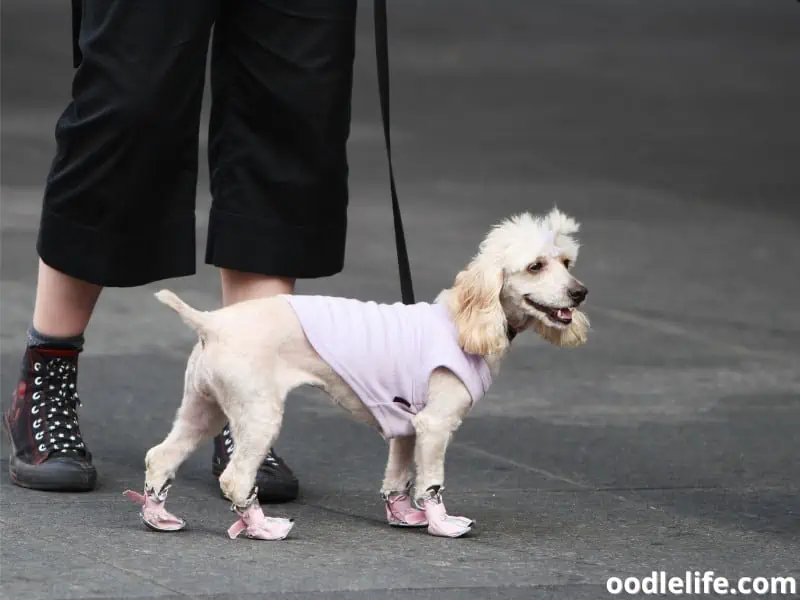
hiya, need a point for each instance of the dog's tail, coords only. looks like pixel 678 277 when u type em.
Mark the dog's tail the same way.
pixel 194 318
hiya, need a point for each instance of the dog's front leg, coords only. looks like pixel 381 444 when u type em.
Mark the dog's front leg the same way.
pixel 448 402
pixel 397 483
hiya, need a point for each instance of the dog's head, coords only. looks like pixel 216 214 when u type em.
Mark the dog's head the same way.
pixel 521 278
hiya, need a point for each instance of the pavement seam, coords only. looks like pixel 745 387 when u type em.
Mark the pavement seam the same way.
pixel 635 499
pixel 669 328
pixel 539 471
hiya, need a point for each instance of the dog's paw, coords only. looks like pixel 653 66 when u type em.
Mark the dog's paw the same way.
pixel 154 515
pixel 256 526
pixel 400 512
pixel 443 525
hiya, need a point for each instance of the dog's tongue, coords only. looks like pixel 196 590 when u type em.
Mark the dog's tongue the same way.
pixel 564 314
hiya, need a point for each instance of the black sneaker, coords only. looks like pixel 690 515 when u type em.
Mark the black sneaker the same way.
pixel 47 449
pixel 275 480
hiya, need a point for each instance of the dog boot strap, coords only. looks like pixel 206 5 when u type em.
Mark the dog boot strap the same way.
pixel 237 528
pixel 135 496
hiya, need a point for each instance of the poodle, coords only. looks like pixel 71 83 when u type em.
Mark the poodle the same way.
pixel 412 372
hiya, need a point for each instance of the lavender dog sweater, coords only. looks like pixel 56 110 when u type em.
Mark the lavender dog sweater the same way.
pixel 387 352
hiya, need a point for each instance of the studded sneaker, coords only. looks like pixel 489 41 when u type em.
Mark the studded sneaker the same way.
pixel 47 449
pixel 274 480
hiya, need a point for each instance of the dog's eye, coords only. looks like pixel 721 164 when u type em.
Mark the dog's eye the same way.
pixel 535 267
pixel 567 263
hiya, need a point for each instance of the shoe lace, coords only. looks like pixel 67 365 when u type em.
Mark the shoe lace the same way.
pixel 271 458
pixel 54 407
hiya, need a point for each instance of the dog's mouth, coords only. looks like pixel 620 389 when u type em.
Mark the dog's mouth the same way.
pixel 557 315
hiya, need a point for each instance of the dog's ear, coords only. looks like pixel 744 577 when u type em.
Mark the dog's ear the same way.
pixel 477 309
pixel 569 337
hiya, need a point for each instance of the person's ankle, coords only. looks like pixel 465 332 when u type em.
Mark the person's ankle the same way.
pixel 238 286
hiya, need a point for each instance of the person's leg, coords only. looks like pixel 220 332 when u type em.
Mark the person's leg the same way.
pixel 63 304
pixel 238 286
pixel 47 448
pixel 281 75
pixel 118 209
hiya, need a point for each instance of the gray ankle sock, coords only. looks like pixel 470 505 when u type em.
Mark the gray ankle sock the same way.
pixel 35 338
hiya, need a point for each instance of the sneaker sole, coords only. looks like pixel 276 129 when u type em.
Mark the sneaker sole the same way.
pixel 273 493
pixel 28 476
pixel 31 477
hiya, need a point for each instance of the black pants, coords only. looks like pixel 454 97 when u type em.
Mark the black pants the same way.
pixel 120 197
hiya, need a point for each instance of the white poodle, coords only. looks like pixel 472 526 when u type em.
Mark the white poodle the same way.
pixel 411 372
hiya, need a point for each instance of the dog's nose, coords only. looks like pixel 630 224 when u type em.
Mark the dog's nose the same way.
pixel 578 294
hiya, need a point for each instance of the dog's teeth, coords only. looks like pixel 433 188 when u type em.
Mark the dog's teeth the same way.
pixel 564 313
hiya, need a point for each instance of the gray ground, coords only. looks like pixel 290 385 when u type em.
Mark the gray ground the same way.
pixel 670 442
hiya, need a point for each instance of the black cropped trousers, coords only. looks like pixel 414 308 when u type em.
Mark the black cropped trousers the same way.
pixel 119 203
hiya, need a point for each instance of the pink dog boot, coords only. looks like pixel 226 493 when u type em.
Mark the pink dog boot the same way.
pixel 256 526
pixel 154 515
pixel 439 522
pixel 401 513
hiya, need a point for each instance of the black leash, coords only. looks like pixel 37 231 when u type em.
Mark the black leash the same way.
pixel 382 54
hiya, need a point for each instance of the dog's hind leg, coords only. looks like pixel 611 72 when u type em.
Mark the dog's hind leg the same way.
pixel 448 402
pixel 255 426
pixel 397 483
